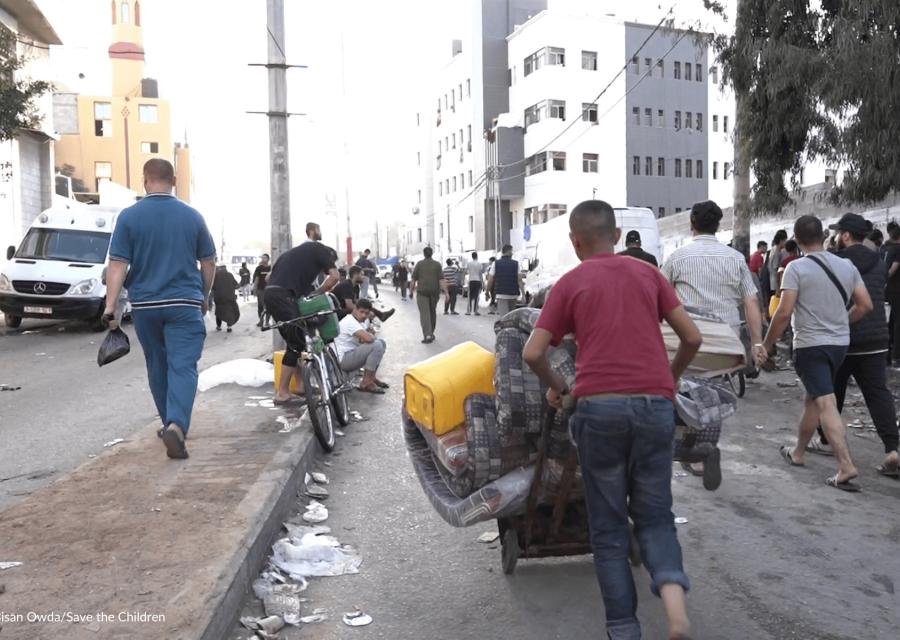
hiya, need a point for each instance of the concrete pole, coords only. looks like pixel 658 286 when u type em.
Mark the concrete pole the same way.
pixel 278 132
pixel 742 159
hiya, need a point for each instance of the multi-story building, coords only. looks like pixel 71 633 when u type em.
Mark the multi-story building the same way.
pixel 26 159
pixel 467 95
pixel 111 137
pixel 655 135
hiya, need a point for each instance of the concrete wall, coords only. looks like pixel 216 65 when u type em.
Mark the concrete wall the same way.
pixel 662 91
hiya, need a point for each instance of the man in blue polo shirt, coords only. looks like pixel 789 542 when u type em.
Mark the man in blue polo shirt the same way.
pixel 154 252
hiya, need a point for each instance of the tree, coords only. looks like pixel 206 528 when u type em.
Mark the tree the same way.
pixel 813 82
pixel 17 95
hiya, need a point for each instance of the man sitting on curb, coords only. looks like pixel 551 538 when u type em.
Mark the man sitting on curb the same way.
pixel 347 291
pixel 357 347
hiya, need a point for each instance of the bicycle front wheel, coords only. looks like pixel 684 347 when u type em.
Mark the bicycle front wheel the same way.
pixel 320 411
pixel 339 401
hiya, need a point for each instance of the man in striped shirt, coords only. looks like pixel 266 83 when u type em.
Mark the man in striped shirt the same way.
pixel 451 275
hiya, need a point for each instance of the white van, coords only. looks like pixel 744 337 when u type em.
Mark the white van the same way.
pixel 550 253
pixel 58 270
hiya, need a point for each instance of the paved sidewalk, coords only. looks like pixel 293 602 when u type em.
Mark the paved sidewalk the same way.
pixel 165 548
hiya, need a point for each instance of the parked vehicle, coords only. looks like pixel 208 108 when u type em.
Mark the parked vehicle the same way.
pixel 550 253
pixel 59 269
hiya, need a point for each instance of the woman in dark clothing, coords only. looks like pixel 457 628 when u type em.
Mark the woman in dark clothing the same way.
pixel 244 284
pixel 225 296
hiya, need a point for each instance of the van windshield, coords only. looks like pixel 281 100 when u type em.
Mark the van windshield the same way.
pixel 67 245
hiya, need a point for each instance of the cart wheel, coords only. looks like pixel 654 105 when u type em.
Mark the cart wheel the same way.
pixel 510 551
pixel 634 550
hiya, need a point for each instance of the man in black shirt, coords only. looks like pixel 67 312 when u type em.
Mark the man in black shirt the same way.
pixel 348 294
pixel 260 276
pixel 369 271
pixel 633 249
pixel 892 291
pixel 292 278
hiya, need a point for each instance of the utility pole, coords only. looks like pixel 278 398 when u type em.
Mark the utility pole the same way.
pixel 741 227
pixel 346 153
pixel 280 187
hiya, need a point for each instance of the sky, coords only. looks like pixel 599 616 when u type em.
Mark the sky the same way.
pixel 199 51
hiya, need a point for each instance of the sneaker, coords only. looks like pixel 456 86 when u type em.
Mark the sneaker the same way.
pixel 468 313
pixel 446 313
pixel 454 313
pixel 477 313
pixel 228 330
pixel 218 328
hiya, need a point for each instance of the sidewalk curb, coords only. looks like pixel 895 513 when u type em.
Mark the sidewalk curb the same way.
pixel 244 566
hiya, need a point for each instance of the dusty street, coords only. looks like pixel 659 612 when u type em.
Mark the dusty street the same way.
pixel 774 553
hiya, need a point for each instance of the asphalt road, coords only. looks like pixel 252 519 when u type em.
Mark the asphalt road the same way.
pixel 67 407
pixel 774 553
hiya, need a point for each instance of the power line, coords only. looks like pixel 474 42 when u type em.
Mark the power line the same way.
pixel 277 44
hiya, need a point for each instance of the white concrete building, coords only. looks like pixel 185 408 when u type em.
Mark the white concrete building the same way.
pixel 26 161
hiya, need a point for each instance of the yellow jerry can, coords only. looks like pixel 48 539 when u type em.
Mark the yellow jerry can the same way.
pixel 436 389
pixel 278 357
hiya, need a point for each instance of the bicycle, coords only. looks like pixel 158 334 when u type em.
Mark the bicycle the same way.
pixel 324 382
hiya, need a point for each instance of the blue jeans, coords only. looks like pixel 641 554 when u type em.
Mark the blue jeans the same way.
pixel 172 339
pixel 625 450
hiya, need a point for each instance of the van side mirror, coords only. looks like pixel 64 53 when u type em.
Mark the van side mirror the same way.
pixel 10 252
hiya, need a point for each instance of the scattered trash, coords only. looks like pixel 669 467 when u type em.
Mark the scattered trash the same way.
pixel 327 463
pixel 269 625
pixel 316 491
pixel 318 615
pixel 112 443
pixel 92 455
pixel 680 474
pixel 339 433
pixel 488 536
pixel 315 512
pixel 40 354
pixel 283 601
pixel 300 530
pixel 8 387
pixel 787 385
pixel 156 510
pixel 681 520
pixel 357 619
pixel 314 556
pixel 94 626
pixel 356 416
pixel 287 425
pixel 760 426
pixel 321 478
pixel 9 565
pixel 245 372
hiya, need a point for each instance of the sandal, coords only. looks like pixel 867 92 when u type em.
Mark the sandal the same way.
pixel 889 471
pixel 846 485
pixel 174 442
pixel 817 446
pixel 371 389
pixel 289 401
pixel 382 385
pixel 786 454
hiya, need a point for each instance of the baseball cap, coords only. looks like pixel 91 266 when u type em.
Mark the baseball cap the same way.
pixel 633 236
pixel 852 223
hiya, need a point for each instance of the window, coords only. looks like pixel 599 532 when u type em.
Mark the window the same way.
pixel 533 114
pixel 636 165
pixel 716 123
pixel 677 167
pixel 714 75
pixel 148 113
pixel 700 169
pixel 699 126
pixel 418 158
pixel 589 162
pixel 677 209
pixel 471 224
pixel 556 56
pixel 460 139
pixel 470 177
pixel 460 92
pixel 648 166
pixel 102 171
pixel 648 66
pixel 468 88
pixel 698 72
pixel 555 210
pixel 588 112
pixel 454 182
pixel 536 164
pixel 532 63
pixel 687 70
pixel 126 13
pixel 469 136
pixel 726 171
pixel 725 124
pixel 447 143
pixel 441 226
pixel 648 116
pixel 103 119
pixel 677 70
pixel 419 196
pixel 454 141
pixel 662 68
pixel 662 212
pixel 530 215
pixel 418 120
pixel 660 118
pixel 558 158
pixel 677 120
pixel 419 235
pixel 636 112
pixel 636 65
pixel 149 147
pixel 511 79
pixel 439 148
pixel 661 167
pixel 440 188
pixel 688 168
pixel 558 109
pixel 447 186
pixel 688 120
pixel 446 102
pixel 715 171
pixel 589 60
pixel 462 181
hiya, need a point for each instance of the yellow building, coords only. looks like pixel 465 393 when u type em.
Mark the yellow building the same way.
pixel 111 137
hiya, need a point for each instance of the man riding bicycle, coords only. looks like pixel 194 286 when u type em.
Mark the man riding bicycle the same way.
pixel 292 279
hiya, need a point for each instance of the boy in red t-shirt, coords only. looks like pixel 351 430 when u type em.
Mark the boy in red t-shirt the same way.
pixel 624 422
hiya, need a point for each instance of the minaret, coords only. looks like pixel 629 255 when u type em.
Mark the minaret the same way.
pixel 126 53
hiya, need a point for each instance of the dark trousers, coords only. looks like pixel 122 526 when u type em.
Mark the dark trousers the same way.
pixel 450 300
pixel 428 312
pixel 403 284
pixel 625 450
pixel 870 374
pixel 474 292
pixel 260 302
pixel 894 326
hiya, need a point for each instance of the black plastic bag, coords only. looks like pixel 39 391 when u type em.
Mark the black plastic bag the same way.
pixel 114 346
